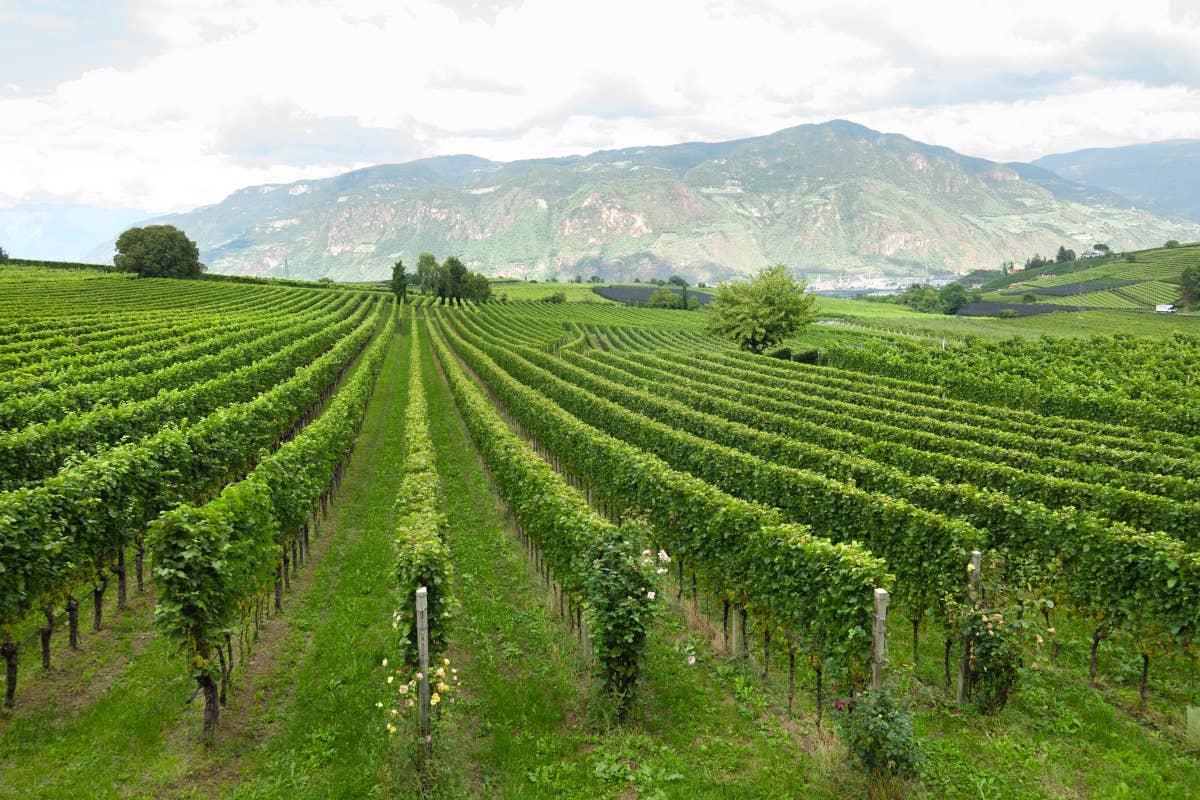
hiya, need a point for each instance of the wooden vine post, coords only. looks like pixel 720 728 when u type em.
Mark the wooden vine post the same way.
pixel 974 580
pixel 423 665
pixel 879 650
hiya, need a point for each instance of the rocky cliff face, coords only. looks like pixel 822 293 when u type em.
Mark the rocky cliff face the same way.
pixel 830 199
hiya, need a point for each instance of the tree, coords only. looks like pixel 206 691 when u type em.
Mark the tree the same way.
pixel 1064 255
pixel 663 297
pixel 1172 243
pixel 400 282
pixel 427 273
pixel 1100 247
pixel 953 296
pixel 476 287
pixel 3 256
pixel 682 284
pixel 593 279
pixel 158 251
pixel 1191 283
pixel 762 311
pixel 454 273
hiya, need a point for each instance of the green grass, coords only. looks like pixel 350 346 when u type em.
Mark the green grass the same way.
pixel 325 737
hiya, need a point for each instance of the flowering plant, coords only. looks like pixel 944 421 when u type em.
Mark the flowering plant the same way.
pixel 994 657
pixel 443 684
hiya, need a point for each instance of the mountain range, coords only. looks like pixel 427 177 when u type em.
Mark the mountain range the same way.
pixel 1163 177
pixel 826 199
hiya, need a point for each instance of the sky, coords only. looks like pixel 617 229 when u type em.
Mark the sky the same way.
pixel 140 106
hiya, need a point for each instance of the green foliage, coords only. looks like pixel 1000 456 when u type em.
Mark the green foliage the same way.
pixel 617 585
pixel 158 251
pixel 924 298
pixel 427 274
pixel 421 555
pixel 1064 255
pixel 75 521
pixel 3 256
pixel 878 732
pixel 451 281
pixel 1190 282
pixel 1171 243
pixel 594 561
pixel 786 575
pixel 477 287
pixel 556 297
pixel 760 312
pixel 207 561
pixel 400 281
pixel 1007 313
pixel 995 656
pixel 663 298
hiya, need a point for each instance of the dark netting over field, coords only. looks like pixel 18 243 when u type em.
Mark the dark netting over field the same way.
pixel 1068 289
pixel 638 295
pixel 991 309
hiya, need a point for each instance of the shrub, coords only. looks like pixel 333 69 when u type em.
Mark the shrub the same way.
pixel 879 733
pixel 557 297
pixel 1007 313
pixel 995 658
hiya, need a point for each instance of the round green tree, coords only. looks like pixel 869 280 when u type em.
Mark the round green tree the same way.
pixel 158 251
pixel 762 311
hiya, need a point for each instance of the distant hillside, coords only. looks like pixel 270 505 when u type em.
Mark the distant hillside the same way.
pixel 1163 177
pixel 832 198
pixel 1151 278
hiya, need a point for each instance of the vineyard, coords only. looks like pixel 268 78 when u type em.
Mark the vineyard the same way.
pixel 1140 281
pixel 650 559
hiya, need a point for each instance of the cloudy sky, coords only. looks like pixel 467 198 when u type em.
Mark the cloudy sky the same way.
pixel 159 105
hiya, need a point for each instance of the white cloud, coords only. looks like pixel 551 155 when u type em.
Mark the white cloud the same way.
pixel 549 77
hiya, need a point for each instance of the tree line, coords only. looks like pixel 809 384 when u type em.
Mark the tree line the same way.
pixel 449 281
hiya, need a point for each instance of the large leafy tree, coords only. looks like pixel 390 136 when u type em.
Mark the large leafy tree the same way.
pixel 428 273
pixel 454 274
pixel 762 311
pixel 158 251
pixel 476 287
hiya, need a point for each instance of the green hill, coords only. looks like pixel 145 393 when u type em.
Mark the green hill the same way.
pixel 1151 278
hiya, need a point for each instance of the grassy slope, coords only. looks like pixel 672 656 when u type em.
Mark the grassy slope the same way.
pixel 905 321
